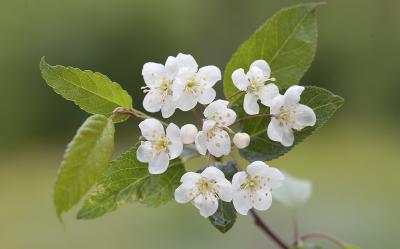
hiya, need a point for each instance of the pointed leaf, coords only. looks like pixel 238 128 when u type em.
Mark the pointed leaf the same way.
pixel 85 159
pixel 126 180
pixel 323 102
pixel 287 41
pixel 93 92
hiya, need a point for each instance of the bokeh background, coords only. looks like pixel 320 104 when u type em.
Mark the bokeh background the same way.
pixel 353 162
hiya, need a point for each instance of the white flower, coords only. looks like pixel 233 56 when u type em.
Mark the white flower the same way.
pixel 188 133
pixel 204 190
pixel 294 192
pixel 213 136
pixel 254 84
pixel 241 140
pixel 288 114
pixel 159 80
pixel 194 85
pixel 253 188
pixel 159 148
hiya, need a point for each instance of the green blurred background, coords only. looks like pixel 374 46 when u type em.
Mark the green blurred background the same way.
pixel 353 161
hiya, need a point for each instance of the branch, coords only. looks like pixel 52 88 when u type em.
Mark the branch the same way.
pixel 323 236
pixel 197 116
pixel 267 230
pixel 253 117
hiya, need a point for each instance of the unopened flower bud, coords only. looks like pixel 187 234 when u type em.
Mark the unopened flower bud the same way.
pixel 188 133
pixel 241 140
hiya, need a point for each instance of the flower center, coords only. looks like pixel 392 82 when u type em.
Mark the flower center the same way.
pixel 191 85
pixel 165 87
pixel 252 184
pixel 160 145
pixel 206 187
pixel 286 115
pixel 255 85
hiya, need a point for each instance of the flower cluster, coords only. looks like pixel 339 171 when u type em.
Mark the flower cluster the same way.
pixel 180 84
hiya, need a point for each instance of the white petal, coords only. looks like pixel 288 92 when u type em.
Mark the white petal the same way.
pixel 151 129
pixel 207 206
pixel 152 101
pixel 224 190
pixel 240 79
pixel 213 173
pixel 201 142
pixel 178 88
pixel 168 107
pixel 238 179
pixel 292 95
pixel 294 192
pixel 159 164
pixel 256 74
pixel 208 125
pixel 274 178
pixel 186 61
pixel 175 149
pixel 287 137
pixel 220 144
pixel 207 96
pixel 228 117
pixel 143 153
pixel 263 65
pixel 275 130
pixel 261 201
pixel 214 107
pixel 304 116
pixel 209 75
pixel 173 132
pixel 276 104
pixel 184 193
pixel 187 101
pixel 250 104
pixel 242 202
pixel 268 93
pixel 153 73
pixel 190 178
pixel 171 67
pixel 257 168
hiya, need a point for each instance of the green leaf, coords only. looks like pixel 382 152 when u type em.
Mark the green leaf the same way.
pixel 126 180
pixel 349 246
pixel 323 102
pixel 85 160
pixel 287 41
pixel 93 92
pixel 225 217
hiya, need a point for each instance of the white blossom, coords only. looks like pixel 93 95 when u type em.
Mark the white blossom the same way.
pixel 188 133
pixel 214 137
pixel 294 192
pixel 287 114
pixel 241 140
pixel 204 190
pixel 160 147
pixel 253 83
pixel 159 85
pixel 253 188
pixel 194 85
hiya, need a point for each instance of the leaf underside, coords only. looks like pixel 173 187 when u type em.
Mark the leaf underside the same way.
pixel 85 159
pixel 127 180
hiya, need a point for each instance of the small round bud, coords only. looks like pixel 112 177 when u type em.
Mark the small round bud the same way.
pixel 241 140
pixel 188 133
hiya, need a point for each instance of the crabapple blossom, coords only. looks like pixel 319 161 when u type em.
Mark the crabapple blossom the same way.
pixel 159 81
pixel 253 188
pixel 241 140
pixel 204 190
pixel 194 85
pixel 287 114
pixel 160 147
pixel 188 133
pixel 214 137
pixel 253 83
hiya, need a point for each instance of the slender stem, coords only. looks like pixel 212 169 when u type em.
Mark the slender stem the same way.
pixel 197 116
pixel 253 117
pixel 267 230
pixel 132 113
pixel 234 95
pixel 295 228
pixel 323 236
